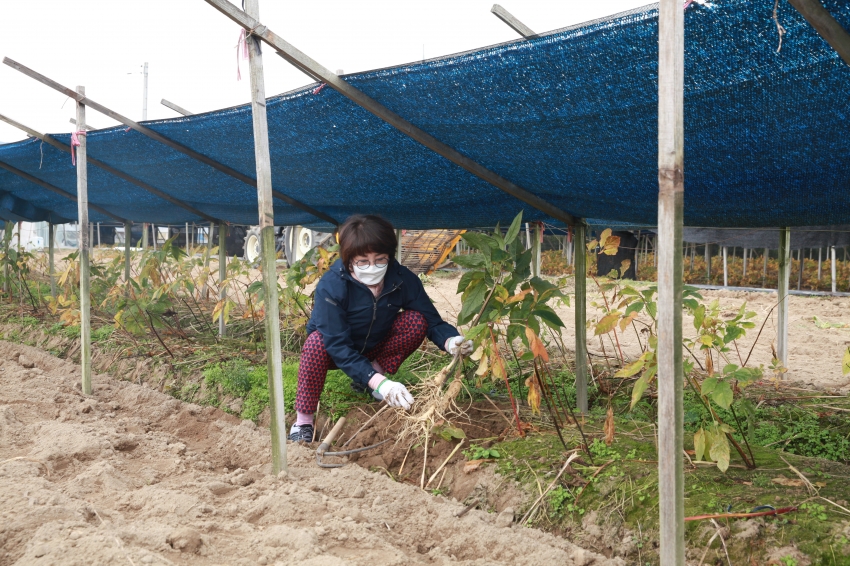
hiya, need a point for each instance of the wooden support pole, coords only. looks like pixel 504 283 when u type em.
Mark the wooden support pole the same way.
pixel 537 246
pixel 7 238
pixel 725 268
pixel 764 266
pixel 833 270
pixel 128 235
pixel 187 239
pixel 744 267
pixel 160 138
pixel 671 181
pixel 154 235
pixel 267 248
pixel 222 274
pixel 51 239
pixel 708 263
pixel 826 26
pixel 512 22
pixel 820 262
pixel 580 257
pixel 782 291
pixel 176 108
pixel 398 253
pixel 84 244
pixel 316 71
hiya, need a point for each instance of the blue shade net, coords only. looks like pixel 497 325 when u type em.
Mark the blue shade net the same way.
pixel 570 116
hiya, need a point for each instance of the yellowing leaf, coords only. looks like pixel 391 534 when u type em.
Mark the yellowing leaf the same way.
pixel 536 345
pixel 483 366
pixel 533 393
pixel 518 297
pixel 476 355
pixel 637 391
pixel 607 324
pixel 627 320
pixel 631 369
pixel 845 365
pixel 608 428
pixel 720 452
pixel 497 367
pixel 699 444
pixel 625 265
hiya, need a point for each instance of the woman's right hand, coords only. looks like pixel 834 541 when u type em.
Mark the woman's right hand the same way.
pixel 394 393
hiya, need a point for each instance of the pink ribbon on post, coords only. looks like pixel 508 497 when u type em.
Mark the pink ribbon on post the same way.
pixel 75 142
pixel 241 49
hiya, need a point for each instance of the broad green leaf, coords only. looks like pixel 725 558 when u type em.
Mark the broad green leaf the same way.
pixel 548 316
pixel 470 261
pixel 706 340
pixel 729 368
pixel 473 332
pixel 722 394
pixel 733 333
pixel 708 385
pixel 699 316
pixel 466 279
pixel 479 241
pixel 472 304
pixel 514 229
pixel 651 309
pixel 448 432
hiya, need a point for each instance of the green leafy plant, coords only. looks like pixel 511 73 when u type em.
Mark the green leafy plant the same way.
pixel 475 452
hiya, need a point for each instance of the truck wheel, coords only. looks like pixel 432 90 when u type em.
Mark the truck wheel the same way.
pixel 252 245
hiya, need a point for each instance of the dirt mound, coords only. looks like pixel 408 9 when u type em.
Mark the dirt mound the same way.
pixel 130 475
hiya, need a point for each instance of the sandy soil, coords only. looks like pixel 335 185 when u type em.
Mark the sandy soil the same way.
pixel 129 475
pixel 815 353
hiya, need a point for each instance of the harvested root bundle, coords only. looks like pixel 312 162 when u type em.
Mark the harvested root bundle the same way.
pixel 433 403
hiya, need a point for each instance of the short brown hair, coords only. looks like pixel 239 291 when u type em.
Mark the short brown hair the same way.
pixel 361 234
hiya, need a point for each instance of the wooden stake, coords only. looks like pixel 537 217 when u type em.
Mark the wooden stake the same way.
pixel 84 245
pixel 537 246
pixel 398 255
pixel 128 236
pixel 51 237
pixel 222 274
pixel 580 257
pixel 187 239
pixel 671 482
pixel 145 235
pixel 267 249
pixel 832 258
pixel 782 291
pixel 725 268
pixel 744 268
pixel 820 261
pixel 708 263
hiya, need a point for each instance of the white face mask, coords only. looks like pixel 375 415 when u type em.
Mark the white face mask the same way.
pixel 371 275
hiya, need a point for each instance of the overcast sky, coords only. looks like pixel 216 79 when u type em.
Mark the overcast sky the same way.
pixel 190 47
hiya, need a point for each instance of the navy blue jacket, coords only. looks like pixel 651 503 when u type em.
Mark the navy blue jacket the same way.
pixel 353 321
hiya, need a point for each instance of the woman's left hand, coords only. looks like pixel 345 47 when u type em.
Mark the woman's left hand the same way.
pixel 455 342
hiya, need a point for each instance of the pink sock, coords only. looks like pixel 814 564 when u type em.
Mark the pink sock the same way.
pixel 303 419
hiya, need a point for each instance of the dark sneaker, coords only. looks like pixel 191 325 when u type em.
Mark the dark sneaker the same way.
pixel 301 433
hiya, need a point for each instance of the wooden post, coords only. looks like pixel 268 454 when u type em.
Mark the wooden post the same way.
pixel 84 244
pixel 580 258
pixel 528 238
pixel 7 238
pixel 398 255
pixel 51 238
pixel 128 230
pixel 222 273
pixel 725 268
pixel 707 263
pixel 833 270
pixel 155 235
pixel 782 291
pixel 764 267
pixel 820 261
pixel 637 258
pixel 671 181
pixel 744 268
pixel 145 235
pixel 187 239
pixel 267 248
pixel 537 247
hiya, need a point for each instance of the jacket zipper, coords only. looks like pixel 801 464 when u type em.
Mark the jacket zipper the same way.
pixel 375 313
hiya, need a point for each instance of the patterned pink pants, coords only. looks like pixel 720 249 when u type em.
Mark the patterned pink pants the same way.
pixel 406 335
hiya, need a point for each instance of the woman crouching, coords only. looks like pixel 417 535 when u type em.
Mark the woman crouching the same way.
pixel 370 314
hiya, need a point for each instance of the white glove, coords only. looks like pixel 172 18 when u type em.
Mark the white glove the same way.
pixel 455 342
pixel 394 393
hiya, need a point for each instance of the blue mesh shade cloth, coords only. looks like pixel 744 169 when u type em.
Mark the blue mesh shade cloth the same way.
pixel 570 116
